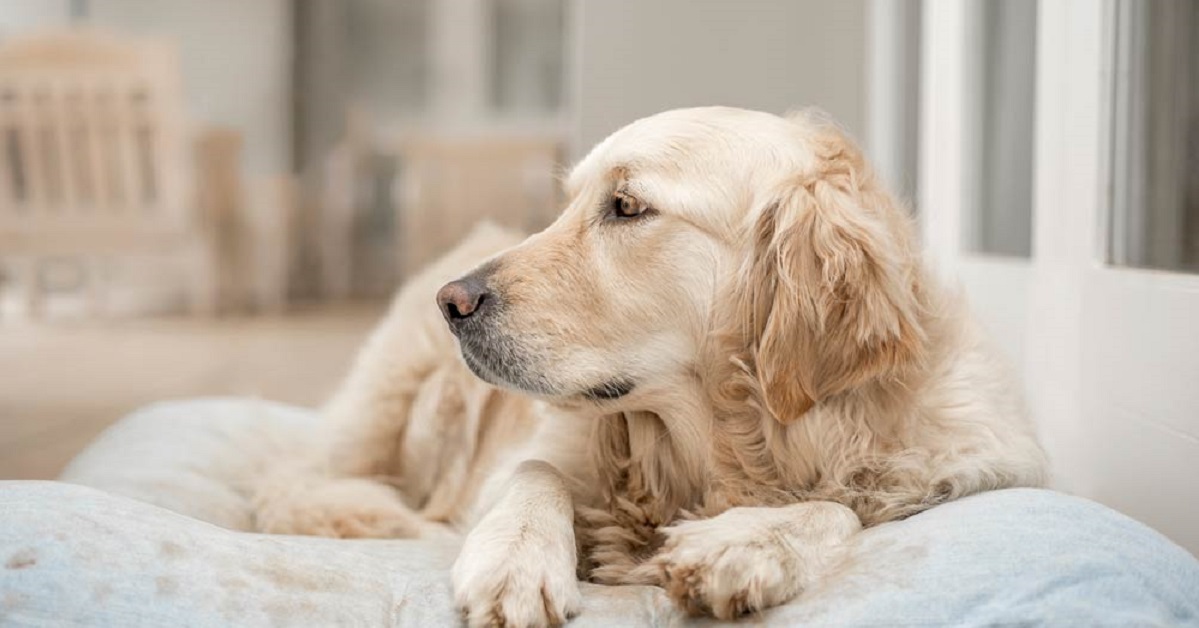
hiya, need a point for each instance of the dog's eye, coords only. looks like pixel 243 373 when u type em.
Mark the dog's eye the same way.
pixel 625 206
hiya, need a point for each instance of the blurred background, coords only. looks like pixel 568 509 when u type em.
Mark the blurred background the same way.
pixel 216 197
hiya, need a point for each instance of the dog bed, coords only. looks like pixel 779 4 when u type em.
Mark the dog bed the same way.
pixel 150 526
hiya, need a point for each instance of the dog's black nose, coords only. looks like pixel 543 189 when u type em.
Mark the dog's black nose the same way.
pixel 462 299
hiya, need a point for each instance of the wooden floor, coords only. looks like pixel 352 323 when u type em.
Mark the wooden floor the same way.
pixel 61 384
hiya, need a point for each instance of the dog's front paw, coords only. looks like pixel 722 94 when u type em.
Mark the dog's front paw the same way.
pixel 748 559
pixel 517 576
pixel 725 578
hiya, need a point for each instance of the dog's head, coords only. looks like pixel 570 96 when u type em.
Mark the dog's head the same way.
pixel 695 226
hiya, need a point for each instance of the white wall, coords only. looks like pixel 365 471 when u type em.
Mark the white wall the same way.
pixel 17 16
pixel 633 58
pixel 236 57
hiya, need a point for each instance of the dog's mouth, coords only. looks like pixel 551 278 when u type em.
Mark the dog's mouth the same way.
pixel 503 364
pixel 610 390
pixel 500 364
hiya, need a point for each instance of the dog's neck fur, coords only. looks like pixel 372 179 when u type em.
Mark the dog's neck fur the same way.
pixel 657 457
pixel 672 461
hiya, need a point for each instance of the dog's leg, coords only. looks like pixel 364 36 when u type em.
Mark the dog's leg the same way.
pixel 304 501
pixel 347 485
pixel 749 559
pixel 372 411
pixel 517 567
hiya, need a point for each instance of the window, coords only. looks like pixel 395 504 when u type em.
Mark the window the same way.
pixel 1001 83
pixel 528 56
pixel 1155 136
pixel 386 55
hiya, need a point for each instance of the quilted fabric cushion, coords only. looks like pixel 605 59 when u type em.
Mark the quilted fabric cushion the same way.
pixel 157 541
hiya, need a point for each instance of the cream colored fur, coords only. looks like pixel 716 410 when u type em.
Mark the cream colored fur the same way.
pixel 796 374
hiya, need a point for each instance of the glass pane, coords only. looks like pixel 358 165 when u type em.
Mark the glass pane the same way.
pixel 998 216
pixel 528 55
pixel 387 54
pixel 1155 124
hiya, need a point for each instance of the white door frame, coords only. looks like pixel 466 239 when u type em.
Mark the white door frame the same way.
pixel 1068 200
pixel 997 285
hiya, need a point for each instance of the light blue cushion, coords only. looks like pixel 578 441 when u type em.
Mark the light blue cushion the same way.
pixel 74 554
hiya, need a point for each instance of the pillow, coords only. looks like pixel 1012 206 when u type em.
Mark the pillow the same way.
pixel 78 554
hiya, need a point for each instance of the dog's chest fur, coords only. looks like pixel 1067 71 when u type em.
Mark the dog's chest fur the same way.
pixel 651 475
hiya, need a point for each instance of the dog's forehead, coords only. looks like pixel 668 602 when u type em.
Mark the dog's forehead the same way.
pixel 703 140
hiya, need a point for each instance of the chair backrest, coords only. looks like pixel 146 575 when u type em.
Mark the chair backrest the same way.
pixel 91 136
pixel 450 184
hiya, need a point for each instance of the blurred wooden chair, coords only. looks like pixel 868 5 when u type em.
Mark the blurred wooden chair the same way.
pixel 270 226
pixel 340 199
pixel 251 227
pixel 96 163
pixel 449 184
pixel 347 194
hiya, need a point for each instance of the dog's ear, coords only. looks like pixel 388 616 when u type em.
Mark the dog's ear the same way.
pixel 832 293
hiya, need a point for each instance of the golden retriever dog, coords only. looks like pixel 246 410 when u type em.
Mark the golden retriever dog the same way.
pixel 722 361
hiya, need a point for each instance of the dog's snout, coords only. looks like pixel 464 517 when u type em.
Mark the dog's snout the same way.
pixel 462 299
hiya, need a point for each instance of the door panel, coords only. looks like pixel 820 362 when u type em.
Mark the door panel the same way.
pixel 1110 355
pixel 1145 470
pixel 1143 353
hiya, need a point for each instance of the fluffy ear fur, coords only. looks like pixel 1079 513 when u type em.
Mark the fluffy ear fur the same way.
pixel 833 300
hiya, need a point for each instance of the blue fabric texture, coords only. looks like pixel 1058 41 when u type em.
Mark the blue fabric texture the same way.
pixel 72 554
